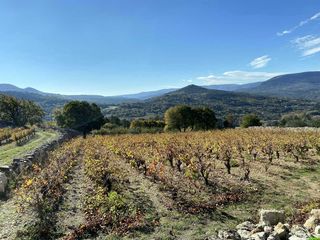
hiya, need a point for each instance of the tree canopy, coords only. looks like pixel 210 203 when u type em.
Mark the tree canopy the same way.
pixel 19 112
pixel 183 117
pixel 80 115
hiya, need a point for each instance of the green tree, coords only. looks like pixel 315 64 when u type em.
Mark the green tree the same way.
pixel 204 119
pixel 80 115
pixel 20 112
pixel 250 120
pixel 34 113
pixel 178 118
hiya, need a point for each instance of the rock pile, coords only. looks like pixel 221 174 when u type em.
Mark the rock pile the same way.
pixel 272 226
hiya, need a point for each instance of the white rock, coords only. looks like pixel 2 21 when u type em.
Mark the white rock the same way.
pixel 271 217
pixel 281 231
pixel 315 212
pixel 317 231
pixel 310 223
pixel 233 235
pixel 259 236
pixel 267 229
pixel 299 233
pixel 273 237
pixel 314 218
pixel 244 234
pixel 294 237
pixel 246 226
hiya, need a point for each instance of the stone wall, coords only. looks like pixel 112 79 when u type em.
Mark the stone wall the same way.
pixel 38 155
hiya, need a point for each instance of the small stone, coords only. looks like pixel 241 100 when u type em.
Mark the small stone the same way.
pixel 281 231
pixel 233 235
pixel 267 229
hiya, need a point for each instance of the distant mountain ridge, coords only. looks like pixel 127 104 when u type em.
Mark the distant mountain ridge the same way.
pixel 233 87
pixel 5 87
pixel 222 102
pixel 257 96
pixel 305 85
pixel 9 88
pixel 121 98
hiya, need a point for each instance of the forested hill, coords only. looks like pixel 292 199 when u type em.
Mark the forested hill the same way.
pixel 222 102
pixel 304 85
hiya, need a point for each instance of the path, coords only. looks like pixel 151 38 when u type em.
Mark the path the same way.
pixel 70 214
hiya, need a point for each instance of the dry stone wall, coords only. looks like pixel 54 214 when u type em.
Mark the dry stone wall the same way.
pixel 38 155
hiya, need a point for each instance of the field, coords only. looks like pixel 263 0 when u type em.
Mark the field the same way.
pixel 165 186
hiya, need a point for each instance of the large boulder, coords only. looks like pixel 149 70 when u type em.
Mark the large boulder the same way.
pixel 313 220
pixel 271 217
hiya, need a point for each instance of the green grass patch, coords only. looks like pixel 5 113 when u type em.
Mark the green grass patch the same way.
pixel 10 151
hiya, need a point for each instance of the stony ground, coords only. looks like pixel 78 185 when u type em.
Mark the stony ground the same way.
pixel 281 187
pixel 11 220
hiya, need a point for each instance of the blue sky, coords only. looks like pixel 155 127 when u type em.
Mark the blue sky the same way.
pixel 112 47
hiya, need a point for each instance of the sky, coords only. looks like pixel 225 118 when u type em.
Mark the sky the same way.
pixel 113 47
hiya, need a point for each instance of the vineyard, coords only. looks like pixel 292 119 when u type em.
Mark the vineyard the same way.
pixel 18 135
pixel 167 186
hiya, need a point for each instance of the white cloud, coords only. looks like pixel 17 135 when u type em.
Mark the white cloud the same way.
pixel 284 32
pixel 308 45
pixel 238 77
pixel 302 23
pixel 260 62
pixel 187 81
